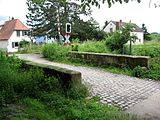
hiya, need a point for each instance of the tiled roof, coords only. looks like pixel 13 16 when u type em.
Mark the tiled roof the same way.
pixel 137 28
pixel 9 27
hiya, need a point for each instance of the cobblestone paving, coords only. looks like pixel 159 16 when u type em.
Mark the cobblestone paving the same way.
pixel 113 89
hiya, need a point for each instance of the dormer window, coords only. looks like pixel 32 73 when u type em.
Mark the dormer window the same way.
pixel 18 33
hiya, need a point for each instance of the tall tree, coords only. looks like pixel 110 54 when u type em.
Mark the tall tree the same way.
pixel 43 18
pixel 88 3
pixel 146 34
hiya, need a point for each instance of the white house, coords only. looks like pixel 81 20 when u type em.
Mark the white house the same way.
pixel 115 25
pixel 11 33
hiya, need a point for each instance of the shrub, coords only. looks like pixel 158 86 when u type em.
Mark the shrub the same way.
pixel 55 52
pixel 16 84
pixel 117 40
pixel 153 72
pixel 93 46
pixel 32 48
pixel 147 50
pixel 138 72
pixel 75 47
pixel 23 43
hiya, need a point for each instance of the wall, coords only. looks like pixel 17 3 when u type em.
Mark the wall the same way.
pixel 140 39
pixel 67 77
pixel 111 59
pixel 110 25
pixel 3 45
pixel 14 38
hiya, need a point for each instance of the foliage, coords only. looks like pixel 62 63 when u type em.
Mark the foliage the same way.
pixel 87 30
pixel 2 55
pixel 32 48
pixel 75 47
pixel 152 50
pixel 42 17
pixel 117 40
pixel 155 37
pixel 55 52
pixel 28 94
pixel 89 3
pixel 153 72
pixel 146 34
pixel 94 46
pixel 23 43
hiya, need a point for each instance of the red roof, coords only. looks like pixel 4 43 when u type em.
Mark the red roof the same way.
pixel 9 27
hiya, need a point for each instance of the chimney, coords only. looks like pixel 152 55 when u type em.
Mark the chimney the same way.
pixel 120 23
pixel 117 25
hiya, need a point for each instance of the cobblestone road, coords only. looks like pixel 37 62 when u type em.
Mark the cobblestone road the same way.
pixel 113 89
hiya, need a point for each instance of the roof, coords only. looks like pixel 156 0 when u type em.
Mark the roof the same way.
pixel 10 26
pixel 137 28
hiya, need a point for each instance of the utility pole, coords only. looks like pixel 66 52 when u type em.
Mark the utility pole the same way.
pixel 59 28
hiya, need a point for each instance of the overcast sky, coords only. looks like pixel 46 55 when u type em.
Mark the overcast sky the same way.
pixel 134 12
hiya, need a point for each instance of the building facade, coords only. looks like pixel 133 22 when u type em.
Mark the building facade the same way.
pixel 11 33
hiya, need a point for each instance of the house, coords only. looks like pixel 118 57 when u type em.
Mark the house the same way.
pixel 11 33
pixel 115 25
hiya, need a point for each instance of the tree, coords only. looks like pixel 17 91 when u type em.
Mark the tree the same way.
pixel 43 17
pixel 88 3
pixel 120 37
pixel 146 34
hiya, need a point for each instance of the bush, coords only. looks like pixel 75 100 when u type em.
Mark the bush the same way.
pixel 138 72
pixel 17 83
pixel 23 43
pixel 32 48
pixel 75 47
pixel 93 46
pixel 55 52
pixel 147 50
pixel 153 72
pixel 117 40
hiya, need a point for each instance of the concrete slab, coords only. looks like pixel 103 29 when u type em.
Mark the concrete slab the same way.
pixel 148 109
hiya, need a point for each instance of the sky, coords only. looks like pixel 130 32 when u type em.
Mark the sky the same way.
pixel 138 13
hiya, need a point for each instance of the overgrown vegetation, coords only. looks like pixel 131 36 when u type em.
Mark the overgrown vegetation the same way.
pixel 55 52
pixel 60 54
pixel 27 94
pixel 119 38
pixel 94 46
pixel 152 50
pixel 31 48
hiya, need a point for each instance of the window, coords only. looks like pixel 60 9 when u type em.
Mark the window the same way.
pixel 18 33
pixel 24 33
pixel 111 29
pixel 15 44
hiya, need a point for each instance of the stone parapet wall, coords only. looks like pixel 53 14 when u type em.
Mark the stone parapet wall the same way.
pixel 111 59
pixel 66 77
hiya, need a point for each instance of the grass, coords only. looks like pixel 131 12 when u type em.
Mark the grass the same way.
pixel 27 94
